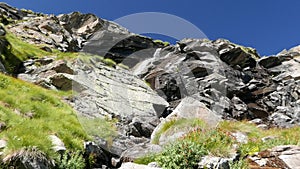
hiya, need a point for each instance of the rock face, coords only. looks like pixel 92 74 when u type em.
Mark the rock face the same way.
pixel 117 94
pixel 229 79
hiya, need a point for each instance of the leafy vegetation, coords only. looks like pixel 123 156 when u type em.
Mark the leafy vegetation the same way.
pixel 70 160
pixel 181 154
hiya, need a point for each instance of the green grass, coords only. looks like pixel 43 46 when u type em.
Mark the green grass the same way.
pixel 255 135
pixel 48 115
pixel 19 51
pixel 219 142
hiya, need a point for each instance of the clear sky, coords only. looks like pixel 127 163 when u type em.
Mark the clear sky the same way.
pixel 267 25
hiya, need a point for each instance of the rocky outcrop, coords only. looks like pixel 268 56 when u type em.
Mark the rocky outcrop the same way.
pixel 78 32
pixel 10 14
pixel 229 79
pixel 287 156
pixel 48 31
pixel 102 92
pixel 117 94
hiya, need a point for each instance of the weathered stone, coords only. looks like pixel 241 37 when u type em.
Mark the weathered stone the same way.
pixel 100 155
pixel 270 61
pixel 57 143
pixel 62 81
pixel 29 158
pixel 139 151
pixel 287 156
pixel 3 144
pixel 240 137
pixel 136 166
pixel 211 162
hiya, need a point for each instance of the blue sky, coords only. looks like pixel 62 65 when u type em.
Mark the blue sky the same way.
pixel 267 25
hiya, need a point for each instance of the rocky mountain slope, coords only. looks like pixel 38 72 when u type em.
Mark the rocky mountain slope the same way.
pixel 133 96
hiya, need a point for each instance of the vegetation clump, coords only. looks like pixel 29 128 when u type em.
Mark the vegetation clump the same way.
pixel 164 43
pixel 186 152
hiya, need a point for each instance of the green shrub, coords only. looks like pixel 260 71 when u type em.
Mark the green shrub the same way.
pixel 70 160
pixel 4 82
pixel 182 154
pixel 240 164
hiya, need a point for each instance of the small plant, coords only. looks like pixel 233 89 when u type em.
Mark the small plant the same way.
pixel 240 164
pixel 70 160
pixel 161 42
pixel 4 82
pixel 182 154
pixel 109 62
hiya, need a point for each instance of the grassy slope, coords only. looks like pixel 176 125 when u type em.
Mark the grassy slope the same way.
pixel 49 116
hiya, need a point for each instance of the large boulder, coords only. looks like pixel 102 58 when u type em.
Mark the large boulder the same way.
pixel 136 166
pixel 190 109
